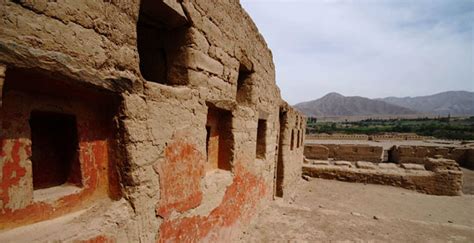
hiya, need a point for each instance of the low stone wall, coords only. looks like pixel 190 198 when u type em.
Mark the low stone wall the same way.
pixel 395 136
pixel 338 137
pixel 441 176
pixel 401 136
pixel 417 154
pixel 350 152
pixel 358 152
pixel 315 151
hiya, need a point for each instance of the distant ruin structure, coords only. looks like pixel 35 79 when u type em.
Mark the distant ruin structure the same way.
pixel 139 121
pixel 428 169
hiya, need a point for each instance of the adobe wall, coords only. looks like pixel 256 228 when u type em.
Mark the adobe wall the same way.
pixel 417 154
pixel 291 149
pixel 375 137
pixel 324 136
pixel 143 143
pixel 348 152
pixel 397 136
pixel 315 151
pixel 436 176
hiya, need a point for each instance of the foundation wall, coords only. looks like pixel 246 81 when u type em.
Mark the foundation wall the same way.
pixel 441 176
pixel 338 136
pixel 396 136
pixel 417 154
pixel 214 57
pixel 314 151
pixel 344 152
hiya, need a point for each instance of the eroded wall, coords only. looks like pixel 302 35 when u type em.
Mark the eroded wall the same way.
pixel 213 56
pixel 290 156
pixel 348 152
pixel 417 154
pixel 26 93
pixel 436 176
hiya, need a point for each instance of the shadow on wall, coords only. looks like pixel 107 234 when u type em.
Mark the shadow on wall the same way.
pixel 162 43
pixel 57 145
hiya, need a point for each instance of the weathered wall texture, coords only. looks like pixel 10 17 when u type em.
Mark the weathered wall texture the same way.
pixel 315 151
pixel 417 154
pixel 325 136
pixel 290 149
pixel 437 176
pixel 397 154
pixel 143 145
pixel 376 137
pixel 348 152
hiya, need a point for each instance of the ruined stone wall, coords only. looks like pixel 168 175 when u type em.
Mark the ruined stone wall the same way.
pixel 346 152
pixel 290 149
pixel 324 136
pixel 417 154
pixel 315 151
pixel 147 178
pixel 375 137
pixel 437 176
pixel 397 136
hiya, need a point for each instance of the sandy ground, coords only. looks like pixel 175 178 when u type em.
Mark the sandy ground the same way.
pixel 333 211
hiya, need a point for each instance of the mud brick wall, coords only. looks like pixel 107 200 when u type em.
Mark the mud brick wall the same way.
pixel 140 78
pixel 93 117
pixel 418 154
pixel 315 151
pixel 441 177
pixel 401 136
pixel 338 136
pixel 358 152
pixel 348 152
pixel 290 149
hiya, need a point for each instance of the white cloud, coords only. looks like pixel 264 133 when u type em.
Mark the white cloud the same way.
pixel 368 48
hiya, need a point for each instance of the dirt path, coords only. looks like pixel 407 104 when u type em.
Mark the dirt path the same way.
pixel 325 210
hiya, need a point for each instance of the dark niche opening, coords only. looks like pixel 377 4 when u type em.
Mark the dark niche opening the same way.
pixel 161 34
pixel 261 138
pixel 219 139
pixel 54 158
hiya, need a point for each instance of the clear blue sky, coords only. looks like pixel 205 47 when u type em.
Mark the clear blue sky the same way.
pixel 368 48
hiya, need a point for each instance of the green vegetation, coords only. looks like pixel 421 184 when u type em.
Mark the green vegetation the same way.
pixel 442 127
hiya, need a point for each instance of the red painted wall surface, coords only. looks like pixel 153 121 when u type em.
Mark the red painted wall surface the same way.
pixel 180 175
pixel 95 156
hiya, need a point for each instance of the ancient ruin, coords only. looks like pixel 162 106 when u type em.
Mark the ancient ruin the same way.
pixel 139 121
pixel 427 169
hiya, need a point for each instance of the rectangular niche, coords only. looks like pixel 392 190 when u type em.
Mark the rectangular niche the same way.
pixel 55 159
pixel 261 138
pixel 161 34
pixel 219 139
pixel 243 84
pixel 292 141
pixel 298 139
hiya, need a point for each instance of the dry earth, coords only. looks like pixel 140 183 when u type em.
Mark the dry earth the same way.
pixel 333 211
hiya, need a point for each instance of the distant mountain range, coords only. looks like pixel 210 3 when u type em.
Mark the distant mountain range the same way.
pixel 450 102
pixel 334 104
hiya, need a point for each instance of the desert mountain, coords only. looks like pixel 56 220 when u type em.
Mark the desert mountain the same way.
pixel 334 104
pixel 450 102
